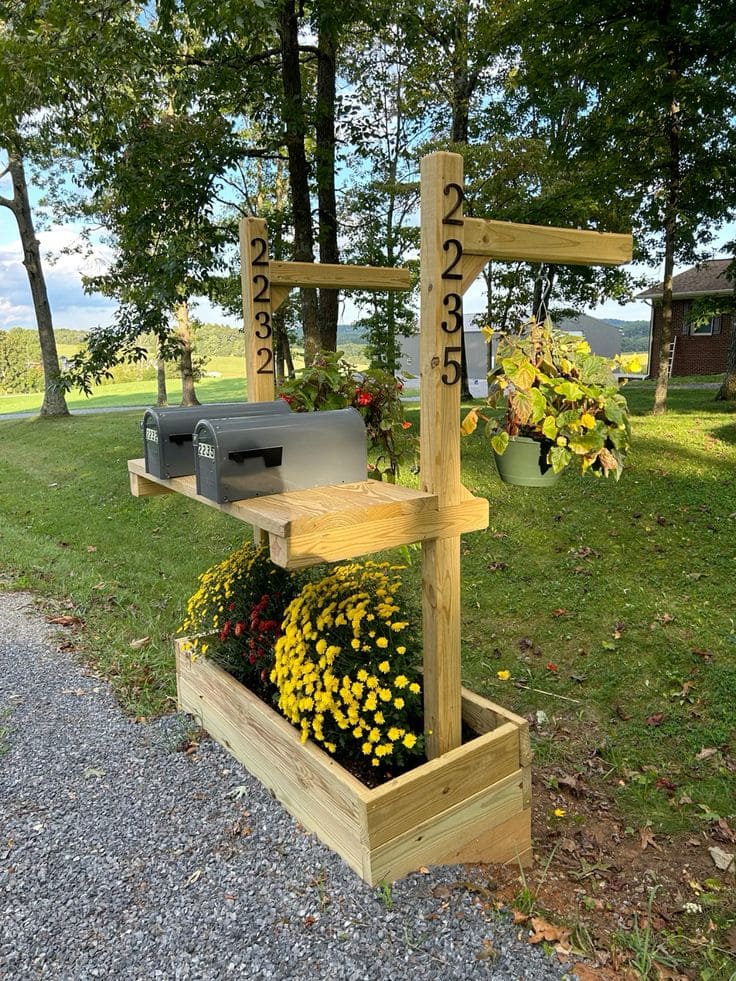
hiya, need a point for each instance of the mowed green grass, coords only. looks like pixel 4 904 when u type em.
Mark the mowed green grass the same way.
pixel 612 605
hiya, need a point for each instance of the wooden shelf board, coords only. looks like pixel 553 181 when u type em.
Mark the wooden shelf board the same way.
pixel 332 523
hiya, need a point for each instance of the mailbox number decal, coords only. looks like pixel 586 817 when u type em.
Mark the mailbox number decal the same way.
pixel 206 450
pixel 261 285
pixel 151 435
pixel 452 357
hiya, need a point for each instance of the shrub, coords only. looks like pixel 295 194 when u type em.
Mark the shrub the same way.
pixel 345 666
pixel 234 617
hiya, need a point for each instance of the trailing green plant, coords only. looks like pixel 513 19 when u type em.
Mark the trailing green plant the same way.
pixel 234 617
pixel 331 382
pixel 346 667
pixel 555 391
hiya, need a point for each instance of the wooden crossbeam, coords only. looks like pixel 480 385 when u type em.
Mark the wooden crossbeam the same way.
pixel 512 241
pixel 338 276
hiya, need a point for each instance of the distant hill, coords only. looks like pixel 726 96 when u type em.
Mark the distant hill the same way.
pixel 635 333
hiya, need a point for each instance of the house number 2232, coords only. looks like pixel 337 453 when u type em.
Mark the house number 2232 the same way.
pixel 452 273
pixel 261 285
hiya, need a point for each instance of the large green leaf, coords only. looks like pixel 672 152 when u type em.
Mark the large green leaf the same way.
pixel 500 441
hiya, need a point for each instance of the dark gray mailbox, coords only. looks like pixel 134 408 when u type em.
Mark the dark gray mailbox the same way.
pixel 168 433
pixel 250 457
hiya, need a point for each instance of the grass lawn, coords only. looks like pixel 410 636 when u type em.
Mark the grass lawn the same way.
pixel 612 605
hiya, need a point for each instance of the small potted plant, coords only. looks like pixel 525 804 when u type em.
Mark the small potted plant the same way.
pixel 562 407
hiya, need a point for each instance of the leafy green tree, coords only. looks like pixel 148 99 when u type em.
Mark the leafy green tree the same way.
pixel 659 101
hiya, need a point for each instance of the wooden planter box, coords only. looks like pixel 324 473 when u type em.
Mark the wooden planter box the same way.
pixel 469 805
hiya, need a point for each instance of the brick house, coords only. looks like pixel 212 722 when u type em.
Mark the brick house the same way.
pixel 700 343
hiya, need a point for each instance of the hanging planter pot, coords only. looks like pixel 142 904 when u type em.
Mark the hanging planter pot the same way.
pixel 524 463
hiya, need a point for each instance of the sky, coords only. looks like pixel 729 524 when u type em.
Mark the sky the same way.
pixel 72 308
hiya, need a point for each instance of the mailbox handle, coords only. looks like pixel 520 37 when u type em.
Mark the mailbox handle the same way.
pixel 180 438
pixel 271 455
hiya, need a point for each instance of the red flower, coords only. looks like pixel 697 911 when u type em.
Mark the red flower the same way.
pixel 289 399
pixel 364 398
pixel 225 630
pixel 406 425
pixel 551 666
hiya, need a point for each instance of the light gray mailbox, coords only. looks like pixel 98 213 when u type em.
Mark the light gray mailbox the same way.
pixel 168 433
pixel 250 457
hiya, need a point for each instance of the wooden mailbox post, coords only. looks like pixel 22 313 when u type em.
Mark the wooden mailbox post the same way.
pixel 469 802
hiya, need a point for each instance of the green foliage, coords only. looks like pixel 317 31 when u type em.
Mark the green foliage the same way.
pixel 555 391
pixel 234 617
pixel 20 361
pixel 330 382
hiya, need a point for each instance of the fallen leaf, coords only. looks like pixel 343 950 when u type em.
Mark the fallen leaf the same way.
pixel 93 771
pixel 723 831
pixel 497 566
pixel 647 838
pixel 488 953
pixel 656 719
pixel 519 917
pixel 706 752
pixel 66 620
pixel 585 972
pixel 663 783
pixel 193 877
pixel 91 548
pixel 139 644
pixel 622 713
pixel 547 931
pixel 664 618
pixel 725 861
pixel 559 612
pixel 573 783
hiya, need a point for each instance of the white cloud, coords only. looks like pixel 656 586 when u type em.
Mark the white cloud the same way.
pixel 63 268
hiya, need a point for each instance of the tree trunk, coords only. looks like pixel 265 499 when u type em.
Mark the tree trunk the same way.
pixel 727 391
pixel 325 169
pixel 183 329
pixel 54 400
pixel 162 397
pixel 462 84
pixel 670 229
pixel 298 169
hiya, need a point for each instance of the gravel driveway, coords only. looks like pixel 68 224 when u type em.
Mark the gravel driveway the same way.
pixel 123 857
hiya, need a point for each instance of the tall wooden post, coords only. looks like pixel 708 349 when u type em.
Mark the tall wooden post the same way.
pixel 257 309
pixel 440 342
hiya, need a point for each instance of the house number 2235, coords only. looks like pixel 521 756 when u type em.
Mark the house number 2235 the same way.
pixel 451 274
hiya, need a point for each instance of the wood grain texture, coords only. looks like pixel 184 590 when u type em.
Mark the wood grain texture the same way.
pixel 339 276
pixel 336 522
pixel 448 833
pixel 512 241
pixel 261 385
pixel 425 817
pixel 140 486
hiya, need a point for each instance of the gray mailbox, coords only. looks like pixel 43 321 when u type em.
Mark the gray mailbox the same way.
pixel 168 433
pixel 250 457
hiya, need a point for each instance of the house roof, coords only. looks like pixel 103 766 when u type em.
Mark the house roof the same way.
pixel 706 279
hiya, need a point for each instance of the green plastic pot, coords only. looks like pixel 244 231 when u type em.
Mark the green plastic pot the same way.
pixel 523 463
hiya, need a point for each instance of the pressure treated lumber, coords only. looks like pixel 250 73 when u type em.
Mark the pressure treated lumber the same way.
pixel 512 241
pixel 257 311
pixel 466 806
pixel 440 351
pixel 339 276
pixel 330 524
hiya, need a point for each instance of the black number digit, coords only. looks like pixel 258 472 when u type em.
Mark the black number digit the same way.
pixel 451 363
pixel 264 369
pixel 262 293
pixel 264 323
pixel 453 243
pixel 260 259
pixel 450 218
pixel 456 312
